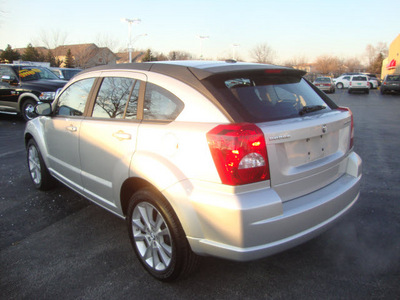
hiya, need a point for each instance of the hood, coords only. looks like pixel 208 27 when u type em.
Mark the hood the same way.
pixel 43 85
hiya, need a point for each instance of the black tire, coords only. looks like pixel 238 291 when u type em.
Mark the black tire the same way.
pixel 349 91
pixel 339 85
pixel 333 91
pixel 28 109
pixel 162 249
pixel 367 91
pixel 38 171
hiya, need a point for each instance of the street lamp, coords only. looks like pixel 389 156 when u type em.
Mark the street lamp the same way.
pixel 234 46
pixel 202 37
pixel 130 22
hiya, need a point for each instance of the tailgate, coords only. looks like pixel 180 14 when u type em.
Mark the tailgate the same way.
pixel 305 154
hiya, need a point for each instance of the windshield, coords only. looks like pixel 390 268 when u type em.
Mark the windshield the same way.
pixel 269 98
pixel 29 73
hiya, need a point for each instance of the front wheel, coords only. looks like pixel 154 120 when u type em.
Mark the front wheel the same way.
pixel 339 85
pixel 158 238
pixel 38 171
pixel 28 110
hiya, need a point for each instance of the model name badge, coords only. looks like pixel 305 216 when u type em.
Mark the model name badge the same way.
pixel 280 137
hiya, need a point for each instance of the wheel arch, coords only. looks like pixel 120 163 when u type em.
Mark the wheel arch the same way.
pixel 24 97
pixel 176 196
pixel 129 187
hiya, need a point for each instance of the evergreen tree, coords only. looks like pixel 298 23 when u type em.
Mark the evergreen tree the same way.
pixel 69 60
pixel 149 56
pixel 51 59
pixel 31 54
pixel 9 55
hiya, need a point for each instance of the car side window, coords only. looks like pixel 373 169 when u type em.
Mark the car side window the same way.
pixel 117 98
pixel 160 104
pixel 73 100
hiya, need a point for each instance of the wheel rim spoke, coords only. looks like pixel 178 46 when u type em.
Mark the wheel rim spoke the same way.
pixel 151 236
pixel 34 165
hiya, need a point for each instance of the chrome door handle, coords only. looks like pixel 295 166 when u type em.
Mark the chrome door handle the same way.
pixel 120 135
pixel 72 128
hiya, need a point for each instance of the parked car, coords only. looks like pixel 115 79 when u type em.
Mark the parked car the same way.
pixel 325 84
pixel 391 83
pixel 65 73
pixel 374 77
pixel 373 82
pixel 359 83
pixel 22 87
pixel 342 81
pixel 233 160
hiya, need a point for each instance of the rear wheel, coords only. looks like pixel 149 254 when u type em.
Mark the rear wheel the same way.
pixel 158 238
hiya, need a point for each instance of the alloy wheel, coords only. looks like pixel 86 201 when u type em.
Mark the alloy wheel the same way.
pixel 151 236
pixel 34 164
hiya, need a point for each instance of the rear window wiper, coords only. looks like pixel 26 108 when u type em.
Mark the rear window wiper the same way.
pixel 311 108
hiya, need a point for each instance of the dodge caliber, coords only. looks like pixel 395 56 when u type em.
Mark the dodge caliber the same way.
pixel 225 159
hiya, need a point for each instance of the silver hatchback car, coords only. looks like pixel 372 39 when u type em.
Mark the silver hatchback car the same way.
pixel 233 160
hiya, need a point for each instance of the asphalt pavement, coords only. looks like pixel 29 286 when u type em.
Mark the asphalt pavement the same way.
pixel 57 245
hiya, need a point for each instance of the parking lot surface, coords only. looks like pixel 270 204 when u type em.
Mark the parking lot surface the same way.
pixel 57 245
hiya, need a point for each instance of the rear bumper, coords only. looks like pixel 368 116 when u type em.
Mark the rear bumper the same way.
pixel 255 224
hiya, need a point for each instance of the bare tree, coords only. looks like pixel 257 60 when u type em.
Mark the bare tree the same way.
pixel 296 61
pixel 327 64
pixel 104 40
pixel 53 39
pixel 375 55
pixel 262 53
pixel 353 65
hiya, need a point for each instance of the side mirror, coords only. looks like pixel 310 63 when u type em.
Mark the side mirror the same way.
pixel 8 78
pixel 43 109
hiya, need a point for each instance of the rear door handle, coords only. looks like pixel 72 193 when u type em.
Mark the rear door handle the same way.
pixel 72 128
pixel 120 135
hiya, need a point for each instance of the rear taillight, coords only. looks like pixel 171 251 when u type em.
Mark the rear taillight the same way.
pixel 352 125
pixel 239 152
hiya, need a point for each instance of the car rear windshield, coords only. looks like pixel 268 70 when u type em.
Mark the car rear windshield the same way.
pixel 323 79
pixel 393 78
pixel 271 97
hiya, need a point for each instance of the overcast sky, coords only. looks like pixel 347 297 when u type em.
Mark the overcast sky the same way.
pixel 292 29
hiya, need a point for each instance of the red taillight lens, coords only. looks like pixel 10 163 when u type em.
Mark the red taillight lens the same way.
pixel 352 125
pixel 239 152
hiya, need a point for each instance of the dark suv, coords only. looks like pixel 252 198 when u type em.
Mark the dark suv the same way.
pixel 22 87
pixel 391 83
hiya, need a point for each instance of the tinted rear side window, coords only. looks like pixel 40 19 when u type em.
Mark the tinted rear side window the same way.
pixel 270 97
pixel 160 104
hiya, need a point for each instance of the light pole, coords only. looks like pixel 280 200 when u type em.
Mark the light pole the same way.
pixel 130 22
pixel 202 37
pixel 234 46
